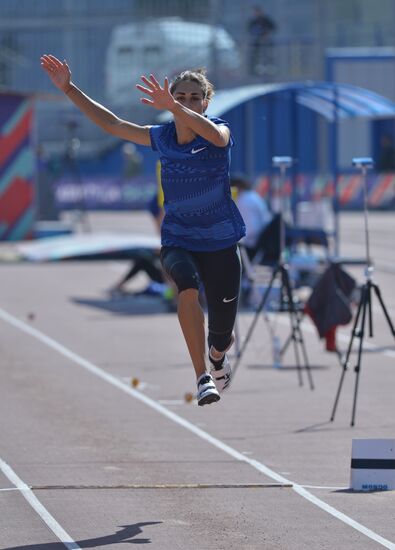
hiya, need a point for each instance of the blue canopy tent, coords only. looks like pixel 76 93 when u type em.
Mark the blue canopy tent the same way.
pixel 254 114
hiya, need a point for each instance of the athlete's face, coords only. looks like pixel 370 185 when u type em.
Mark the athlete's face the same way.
pixel 191 95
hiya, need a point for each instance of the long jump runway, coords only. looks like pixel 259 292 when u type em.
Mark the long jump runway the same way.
pixel 89 461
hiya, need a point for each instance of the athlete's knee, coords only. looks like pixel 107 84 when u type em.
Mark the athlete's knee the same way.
pixel 180 268
pixel 185 279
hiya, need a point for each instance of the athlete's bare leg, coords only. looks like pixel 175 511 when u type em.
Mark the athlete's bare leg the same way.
pixel 191 318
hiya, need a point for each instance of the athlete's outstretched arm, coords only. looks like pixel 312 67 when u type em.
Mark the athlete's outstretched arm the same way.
pixel 60 75
pixel 161 98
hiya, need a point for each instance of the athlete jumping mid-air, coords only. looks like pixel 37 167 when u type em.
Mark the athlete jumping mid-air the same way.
pixel 202 225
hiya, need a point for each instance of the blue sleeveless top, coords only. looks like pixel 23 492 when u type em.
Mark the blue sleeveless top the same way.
pixel 200 214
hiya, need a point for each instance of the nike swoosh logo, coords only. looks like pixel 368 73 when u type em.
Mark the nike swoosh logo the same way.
pixel 226 300
pixel 194 151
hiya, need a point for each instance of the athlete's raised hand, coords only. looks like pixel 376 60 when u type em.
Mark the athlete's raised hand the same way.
pixel 160 98
pixel 57 71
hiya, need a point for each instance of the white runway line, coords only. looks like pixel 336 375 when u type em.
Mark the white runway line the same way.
pixel 58 531
pixel 259 466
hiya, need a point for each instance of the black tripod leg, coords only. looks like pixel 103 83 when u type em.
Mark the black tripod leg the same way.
pixel 380 298
pixel 292 315
pixel 301 341
pixel 254 321
pixel 297 332
pixel 289 339
pixel 366 304
pixel 304 352
pixel 285 345
pixel 369 300
pixel 354 332
pixel 288 292
pixel 295 341
pixel 298 320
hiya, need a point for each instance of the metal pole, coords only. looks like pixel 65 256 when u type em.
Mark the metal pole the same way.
pixel 363 164
pixel 282 163
pixel 334 163
pixel 365 211
pixel 283 169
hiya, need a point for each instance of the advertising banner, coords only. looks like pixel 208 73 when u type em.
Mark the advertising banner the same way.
pixel 16 168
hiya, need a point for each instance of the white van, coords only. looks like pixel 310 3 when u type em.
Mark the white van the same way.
pixel 165 47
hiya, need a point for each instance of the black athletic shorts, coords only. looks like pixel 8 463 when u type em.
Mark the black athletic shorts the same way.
pixel 219 274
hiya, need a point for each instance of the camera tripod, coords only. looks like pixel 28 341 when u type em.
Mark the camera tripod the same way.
pixel 287 300
pixel 364 310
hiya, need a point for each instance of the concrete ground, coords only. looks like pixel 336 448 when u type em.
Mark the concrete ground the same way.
pixel 89 461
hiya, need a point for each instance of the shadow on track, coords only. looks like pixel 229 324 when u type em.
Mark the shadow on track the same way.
pixel 125 534
pixel 320 426
pixel 129 305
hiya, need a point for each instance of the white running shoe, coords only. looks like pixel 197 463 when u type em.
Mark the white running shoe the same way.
pixel 222 376
pixel 207 392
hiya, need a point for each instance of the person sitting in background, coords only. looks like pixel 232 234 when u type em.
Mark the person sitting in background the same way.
pixel 147 261
pixel 257 217
pixel 254 210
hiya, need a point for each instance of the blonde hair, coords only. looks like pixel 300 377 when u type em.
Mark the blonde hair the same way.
pixel 195 75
